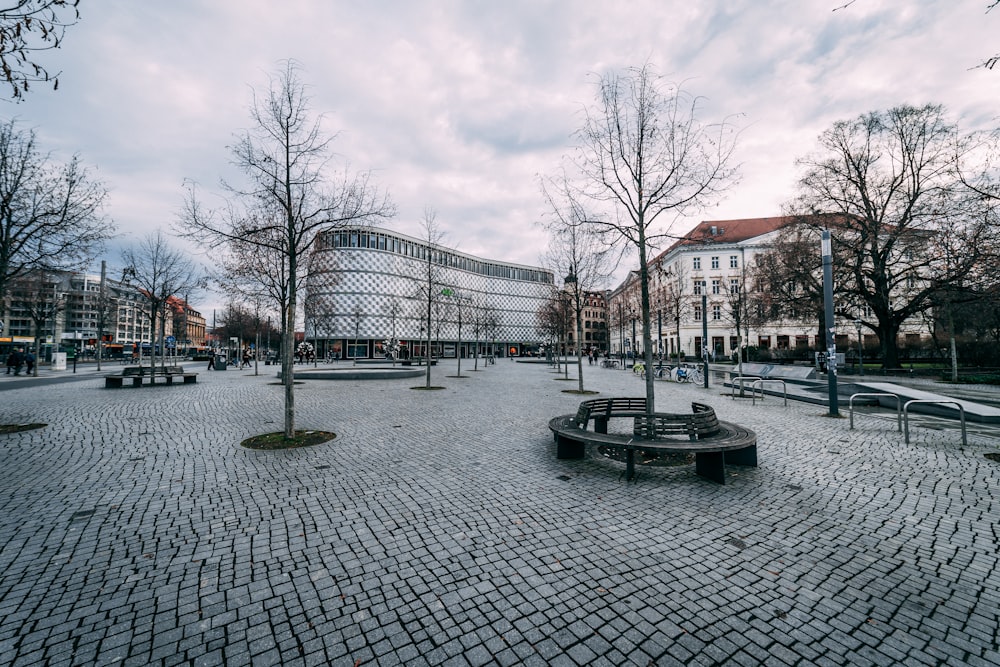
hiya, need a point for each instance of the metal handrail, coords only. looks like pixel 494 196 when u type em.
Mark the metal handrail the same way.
pixel 761 381
pixel 740 379
pixel 906 419
pixel 899 408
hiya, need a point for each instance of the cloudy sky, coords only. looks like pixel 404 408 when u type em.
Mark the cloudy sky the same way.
pixel 460 106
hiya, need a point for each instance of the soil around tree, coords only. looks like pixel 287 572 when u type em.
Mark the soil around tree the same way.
pixel 423 388
pixel 274 441
pixel 993 456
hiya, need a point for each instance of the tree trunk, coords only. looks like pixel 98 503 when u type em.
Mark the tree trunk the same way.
pixel 579 344
pixel 887 342
pixel 647 352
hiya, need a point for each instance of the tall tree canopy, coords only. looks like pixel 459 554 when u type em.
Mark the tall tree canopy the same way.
pixel 904 224
pixel 288 197
pixel 645 159
pixel 50 213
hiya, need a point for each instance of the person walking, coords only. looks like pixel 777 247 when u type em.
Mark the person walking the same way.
pixel 29 360
pixel 18 360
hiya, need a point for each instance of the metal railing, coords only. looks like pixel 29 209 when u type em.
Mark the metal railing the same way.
pixel 906 420
pixel 761 381
pixel 741 379
pixel 899 407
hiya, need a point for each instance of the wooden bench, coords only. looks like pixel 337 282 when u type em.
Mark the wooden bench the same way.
pixel 714 443
pixel 135 375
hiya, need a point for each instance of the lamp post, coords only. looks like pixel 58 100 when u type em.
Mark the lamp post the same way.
pixel 659 334
pixel 621 334
pixel 635 353
pixel 831 344
pixel 861 360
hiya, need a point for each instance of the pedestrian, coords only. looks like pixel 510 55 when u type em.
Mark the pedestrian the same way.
pixel 29 360
pixel 211 362
pixel 246 359
pixel 18 360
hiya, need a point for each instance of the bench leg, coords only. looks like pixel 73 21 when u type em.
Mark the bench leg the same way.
pixel 600 424
pixel 567 448
pixel 743 457
pixel 711 465
pixel 629 464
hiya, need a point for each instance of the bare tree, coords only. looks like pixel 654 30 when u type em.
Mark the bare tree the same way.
pixel 673 297
pixel 429 292
pixel 49 213
pixel 576 252
pixel 892 186
pixel 159 272
pixel 288 198
pixel 29 26
pixel 644 153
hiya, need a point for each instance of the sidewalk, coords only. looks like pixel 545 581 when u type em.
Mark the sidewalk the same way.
pixel 439 528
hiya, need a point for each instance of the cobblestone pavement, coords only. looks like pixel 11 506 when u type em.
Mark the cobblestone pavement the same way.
pixel 439 528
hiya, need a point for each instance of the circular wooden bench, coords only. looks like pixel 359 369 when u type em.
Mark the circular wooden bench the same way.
pixel 714 443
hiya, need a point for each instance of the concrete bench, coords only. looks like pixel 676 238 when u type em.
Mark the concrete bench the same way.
pixel 134 376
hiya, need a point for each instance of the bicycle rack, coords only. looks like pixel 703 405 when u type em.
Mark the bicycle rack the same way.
pixel 761 381
pixel 740 379
pixel 899 408
pixel 906 419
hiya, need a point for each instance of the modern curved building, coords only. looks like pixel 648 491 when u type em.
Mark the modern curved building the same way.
pixel 367 285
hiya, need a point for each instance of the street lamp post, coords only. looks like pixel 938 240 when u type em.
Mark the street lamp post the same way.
pixel 831 344
pixel 659 334
pixel 861 360
pixel 621 334
pixel 635 353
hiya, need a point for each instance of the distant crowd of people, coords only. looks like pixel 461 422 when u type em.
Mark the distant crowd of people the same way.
pixel 18 359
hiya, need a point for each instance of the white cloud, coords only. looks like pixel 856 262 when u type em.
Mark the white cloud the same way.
pixel 457 106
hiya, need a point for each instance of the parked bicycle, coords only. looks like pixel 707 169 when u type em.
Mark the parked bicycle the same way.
pixel 691 375
pixel 659 373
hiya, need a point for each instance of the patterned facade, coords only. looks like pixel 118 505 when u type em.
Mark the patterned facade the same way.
pixel 368 285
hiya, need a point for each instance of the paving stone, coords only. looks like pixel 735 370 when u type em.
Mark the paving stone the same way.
pixel 480 545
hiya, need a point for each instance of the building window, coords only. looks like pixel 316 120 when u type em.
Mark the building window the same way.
pixel 734 285
pixel 716 312
pixel 697 313
pixel 734 262
pixel 699 286
pixel 715 262
pixel 716 286
pixel 696 262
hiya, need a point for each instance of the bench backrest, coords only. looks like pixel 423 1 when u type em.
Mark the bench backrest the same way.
pixel 611 407
pixel 582 415
pixel 701 423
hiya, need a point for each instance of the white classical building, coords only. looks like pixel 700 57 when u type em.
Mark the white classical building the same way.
pixel 713 260
pixel 368 285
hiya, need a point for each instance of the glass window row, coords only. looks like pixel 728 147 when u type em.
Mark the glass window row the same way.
pixel 385 242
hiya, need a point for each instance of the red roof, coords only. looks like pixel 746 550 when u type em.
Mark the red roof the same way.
pixel 733 231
